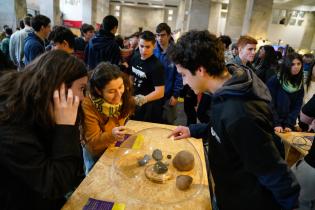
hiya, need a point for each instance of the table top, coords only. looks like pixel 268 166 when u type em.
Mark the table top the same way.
pixel 99 185
pixel 301 141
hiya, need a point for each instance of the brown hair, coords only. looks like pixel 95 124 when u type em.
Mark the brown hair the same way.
pixel 26 96
pixel 106 72
pixel 244 40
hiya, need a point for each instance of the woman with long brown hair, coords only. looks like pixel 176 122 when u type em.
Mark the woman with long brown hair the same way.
pixel 40 155
pixel 106 110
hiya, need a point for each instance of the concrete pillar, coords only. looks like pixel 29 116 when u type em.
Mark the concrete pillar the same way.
pixel 180 16
pixel 247 16
pixel 260 19
pixel 11 12
pixel 100 9
pixel 309 31
pixel 87 11
pixel 198 17
pixel 214 18
pixel 51 9
pixel 235 18
pixel 250 17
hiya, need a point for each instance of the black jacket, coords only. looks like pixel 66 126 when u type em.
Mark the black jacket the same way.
pixel 38 168
pixel 102 47
pixel 246 166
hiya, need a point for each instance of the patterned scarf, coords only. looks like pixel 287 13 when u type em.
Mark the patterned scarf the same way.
pixel 108 109
pixel 290 88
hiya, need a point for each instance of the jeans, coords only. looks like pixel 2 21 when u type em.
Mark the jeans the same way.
pixel 88 160
pixel 305 175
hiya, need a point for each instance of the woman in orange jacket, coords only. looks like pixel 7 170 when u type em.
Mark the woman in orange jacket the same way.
pixel 105 110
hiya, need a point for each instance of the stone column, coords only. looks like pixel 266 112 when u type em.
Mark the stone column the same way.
pixel 309 31
pixel 180 16
pixel 198 17
pixel 235 18
pixel 214 18
pixel 87 11
pixel 11 12
pixel 250 17
pixel 100 8
pixel 260 19
pixel 51 9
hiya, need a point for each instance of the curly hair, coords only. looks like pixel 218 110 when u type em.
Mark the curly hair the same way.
pixel 285 70
pixel 199 48
pixel 106 72
pixel 27 96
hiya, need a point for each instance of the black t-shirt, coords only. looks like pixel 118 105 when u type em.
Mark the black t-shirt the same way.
pixel 148 74
pixel 309 110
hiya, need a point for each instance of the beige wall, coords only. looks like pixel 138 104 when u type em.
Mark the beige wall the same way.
pixel 133 17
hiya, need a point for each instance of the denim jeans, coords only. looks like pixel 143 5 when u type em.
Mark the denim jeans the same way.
pixel 305 175
pixel 88 160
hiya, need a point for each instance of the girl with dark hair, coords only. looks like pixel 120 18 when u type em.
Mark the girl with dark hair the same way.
pixel 309 87
pixel 40 156
pixel 106 110
pixel 267 64
pixel 287 93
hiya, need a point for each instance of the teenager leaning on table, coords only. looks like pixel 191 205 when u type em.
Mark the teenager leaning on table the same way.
pixel 40 155
pixel 105 110
pixel 247 168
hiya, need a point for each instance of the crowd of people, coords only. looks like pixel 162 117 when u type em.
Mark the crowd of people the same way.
pixel 64 100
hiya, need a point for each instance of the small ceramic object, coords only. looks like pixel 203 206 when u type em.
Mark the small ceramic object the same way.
pixel 183 182
pixel 157 155
pixel 144 160
pixel 184 161
pixel 160 168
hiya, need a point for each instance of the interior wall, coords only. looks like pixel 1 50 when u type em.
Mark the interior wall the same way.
pixel 134 17
pixel 291 35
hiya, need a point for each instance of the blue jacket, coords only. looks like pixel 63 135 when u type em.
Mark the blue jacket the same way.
pixel 173 80
pixel 285 106
pixel 33 47
pixel 102 47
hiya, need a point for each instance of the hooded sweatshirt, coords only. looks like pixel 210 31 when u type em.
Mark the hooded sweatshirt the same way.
pixel 246 166
pixel 102 47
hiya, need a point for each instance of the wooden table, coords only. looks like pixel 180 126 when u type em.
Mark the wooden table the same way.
pixel 98 184
pixel 297 140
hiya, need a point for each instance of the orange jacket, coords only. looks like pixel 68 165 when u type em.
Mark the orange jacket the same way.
pixel 97 128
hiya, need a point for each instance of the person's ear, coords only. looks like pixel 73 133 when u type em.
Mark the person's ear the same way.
pixel 201 71
pixel 65 44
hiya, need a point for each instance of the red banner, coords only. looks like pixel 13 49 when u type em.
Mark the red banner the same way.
pixel 72 23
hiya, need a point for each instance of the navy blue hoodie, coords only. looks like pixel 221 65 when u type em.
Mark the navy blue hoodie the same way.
pixel 102 47
pixel 245 163
pixel 34 46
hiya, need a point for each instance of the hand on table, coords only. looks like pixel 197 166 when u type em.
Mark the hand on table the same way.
pixel 120 132
pixel 278 129
pixel 65 107
pixel 286 129
pixel 180 132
